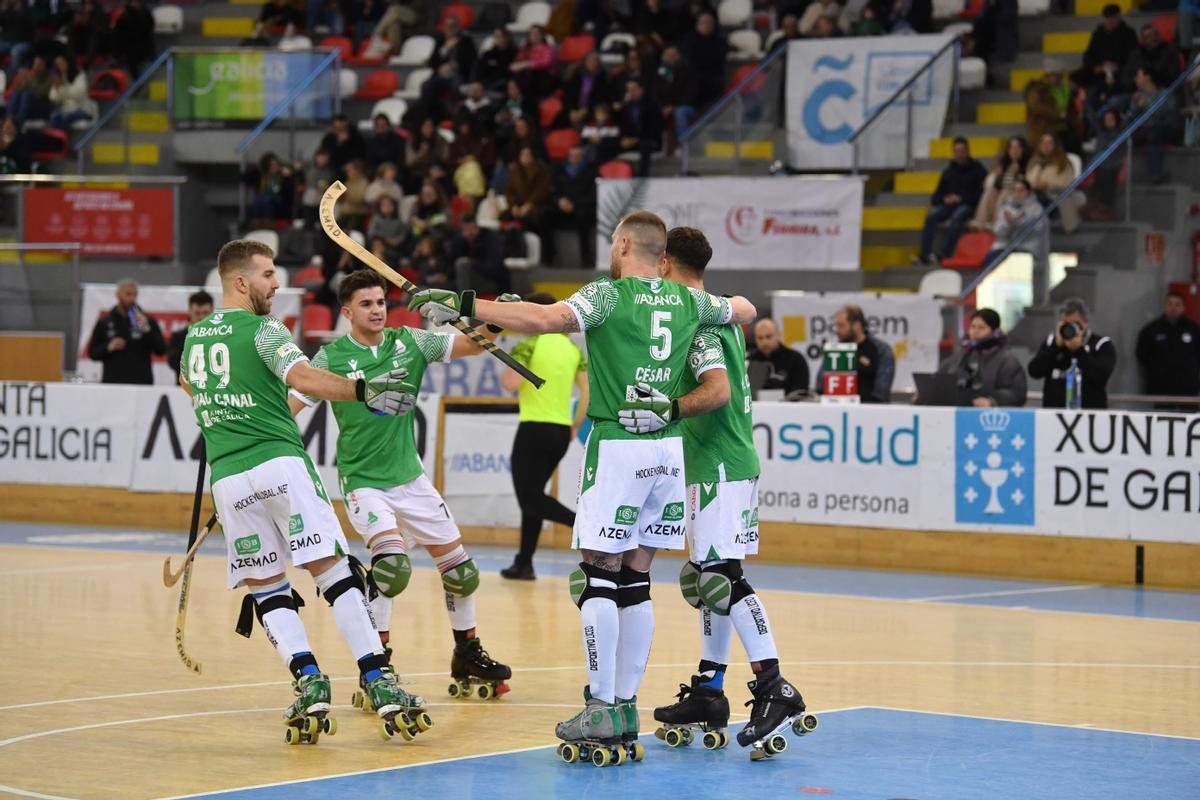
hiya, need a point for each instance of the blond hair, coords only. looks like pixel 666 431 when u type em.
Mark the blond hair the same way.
pixel 236 256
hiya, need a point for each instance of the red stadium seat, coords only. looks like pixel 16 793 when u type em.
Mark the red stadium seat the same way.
pixel 315 319
pixel 362 58
pixel 559 142
pixel 379 84
pixel 548 111
pixel 109 84
pixel 309 279
pixel 1165 25
pixel 753 86
pixel 459 205
pixel 400 317
pixel 465 14
pixel 574 48
pixel 616 169
pixel 972 249
pixel 339 43
pixel 51 136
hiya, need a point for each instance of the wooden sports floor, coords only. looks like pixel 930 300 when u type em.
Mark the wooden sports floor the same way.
pixel 927 686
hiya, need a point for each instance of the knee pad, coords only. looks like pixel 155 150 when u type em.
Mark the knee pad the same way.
pixel 391 573
pixel 590 581
pixel 342 585
pixel 721 584
pixel 633 587
pixel 461 580
pixel 689 577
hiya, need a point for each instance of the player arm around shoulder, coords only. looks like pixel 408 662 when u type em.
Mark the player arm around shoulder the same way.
pixel 652 410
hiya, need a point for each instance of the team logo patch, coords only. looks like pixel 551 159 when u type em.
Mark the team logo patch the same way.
pixel 673 512
pixel 750 518
pixel 627 515
pixel 247 545
pixel 708 493
pixel 295 525
pixel 353 363
pixel 371 518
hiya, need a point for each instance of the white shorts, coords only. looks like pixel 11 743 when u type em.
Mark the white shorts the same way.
pixel 276 509
pixel 722 520
pixel 414 508
pixel 631 495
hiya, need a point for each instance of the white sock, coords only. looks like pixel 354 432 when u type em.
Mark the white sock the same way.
pixel 461 611
pixel 633 647
pixel 351 612
pixel 715 633
pixel 283 626
pixel 749 618
pixel 601 631
pixel 381 612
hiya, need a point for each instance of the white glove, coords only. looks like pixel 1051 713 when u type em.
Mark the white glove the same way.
pixel 651 411
pixel 388 394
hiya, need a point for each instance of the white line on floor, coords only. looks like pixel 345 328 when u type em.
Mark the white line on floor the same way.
pixel 1005 593
pixel 4 789
pixel 1033 722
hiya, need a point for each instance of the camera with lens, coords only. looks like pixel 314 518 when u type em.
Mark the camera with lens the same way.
pixel 1068 331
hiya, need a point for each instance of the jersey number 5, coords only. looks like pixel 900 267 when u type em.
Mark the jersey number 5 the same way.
pixel 660 351
pixel 218 364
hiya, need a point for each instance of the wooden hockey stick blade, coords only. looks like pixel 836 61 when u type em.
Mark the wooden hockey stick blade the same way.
pixel 181 618
pixel 334 231
pixel 172 578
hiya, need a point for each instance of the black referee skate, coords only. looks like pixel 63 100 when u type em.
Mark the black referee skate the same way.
pixel 700 707
pixel 774 705
pixel 476 672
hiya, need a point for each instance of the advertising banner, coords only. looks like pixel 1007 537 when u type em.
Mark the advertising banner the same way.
pixel 168 305
pixel 911 324
pixel 107 222
pixel 835 85
pixel 776 223
pixel 213 89
pixel 477 469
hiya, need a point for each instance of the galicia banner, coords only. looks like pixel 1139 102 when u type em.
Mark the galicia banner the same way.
pixel 231 86
pixel 834 85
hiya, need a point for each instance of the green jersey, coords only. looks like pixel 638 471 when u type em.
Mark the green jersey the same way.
pixel 377 451
pixel 640 330
pixel 719 446
pixel 236 363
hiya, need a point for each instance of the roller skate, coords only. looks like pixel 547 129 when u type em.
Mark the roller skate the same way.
pixel 593 734
pixel 475 672
pixel 700 708
pixel 308 717
pixel 634 750
pixel 402 713
pixel 361 699
pixel 774 705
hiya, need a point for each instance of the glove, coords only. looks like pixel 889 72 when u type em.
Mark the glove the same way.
pixel 441 306
pixel 651 411
pixel 387 394
pixel 507 297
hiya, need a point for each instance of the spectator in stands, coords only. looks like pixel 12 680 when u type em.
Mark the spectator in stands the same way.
pixel 1158 58
pixel 431 214
pixel 133 36
pixel 274 191
pixel 789 29
pixel 875 364
pixel 469 181
pixel 383 144
pixel 523 135
pixel 369 13
pixel 1008 167
pixel 787 368
pixel 401 16
pixel 1042 114
pixel 454 47
pixel 384 185
pixel 16 156
pixel 69 95
pixel 477 260
pixel 575 201
pixel 601 135
pixel 125 338
pixel 653 25
pixel 1168 349
pixel 16 34
pixel 87 32
pixel 676 91
pixel 1159 129
pixel 528 194
pixel 477 107
pixel 493 66
pixel 988 374
pixel 30 97
pixel 534 64
pixel 1102 196
pixel 587 85
pixel 630 70
pixel 440 93
pixel 352 207
pixel 425 149
pixel 705 49
pixel 866 24
pixel 285 12
pixel 1019 209
pixel 641 125
pixel 814 12
pixel 995 31
pixel 827 28
pixel 953 201
pixel 343 142
pixel 200 305
pixel 1049 172
pixel 431 265
pixel 1108 49
pixel 317 177
pixel 1072 341
pixel 386 232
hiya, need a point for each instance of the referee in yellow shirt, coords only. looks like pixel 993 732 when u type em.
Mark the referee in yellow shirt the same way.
pixel 544 433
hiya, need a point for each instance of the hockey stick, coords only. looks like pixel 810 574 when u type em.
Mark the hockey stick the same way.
pixel 181 615
pixel 194 541
pixel 171 578
pixel 328 200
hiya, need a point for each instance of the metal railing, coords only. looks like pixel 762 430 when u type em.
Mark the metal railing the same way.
pixel 332 59
pixel 733 97
pixel 122 102
pixel 1041 274
pixel 906 89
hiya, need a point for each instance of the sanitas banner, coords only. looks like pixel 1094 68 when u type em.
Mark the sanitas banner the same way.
pixel 212 89
pixel 835 85
pixel 780 223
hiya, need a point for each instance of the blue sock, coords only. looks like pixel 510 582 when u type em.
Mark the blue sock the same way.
pixel 308 668
pixel 371 674
pixel 712 675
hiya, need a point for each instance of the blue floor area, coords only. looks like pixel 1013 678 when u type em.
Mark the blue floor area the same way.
pixel 858 754
pixel 909 586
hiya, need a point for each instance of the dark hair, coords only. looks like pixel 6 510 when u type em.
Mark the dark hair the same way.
pixel 989 316
pixel 854 314
pixel 1021 179
pixel 962 140
pixel 541 298
pixel 1006 160
pixel 468 217
pixel 689 248
pixel 359 279
pixel 1111 10
pixel 200 298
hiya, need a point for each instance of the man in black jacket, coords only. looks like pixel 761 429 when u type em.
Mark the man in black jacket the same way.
pixel 124 339
pixel 575 201
pixel 1095 355
pixel 641 125
pixel 1169 351
pixel 954 201
pixel 676 90
pixel 478 260
pixel 788 368
pixel 705 49
pixel 200 305
pixel 1106 54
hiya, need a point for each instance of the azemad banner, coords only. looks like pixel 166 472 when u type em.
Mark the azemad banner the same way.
pixel 911 324
pixel 213 89
pixel 835 85
pixel 756 223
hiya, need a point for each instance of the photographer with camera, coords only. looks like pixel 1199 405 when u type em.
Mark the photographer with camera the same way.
pixel 986 372
pixel 1073 354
